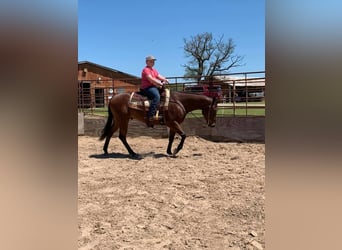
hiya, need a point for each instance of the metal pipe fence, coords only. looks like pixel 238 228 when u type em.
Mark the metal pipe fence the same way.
pixel 239 94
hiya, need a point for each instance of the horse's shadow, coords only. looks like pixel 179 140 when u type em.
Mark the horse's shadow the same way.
pixel 154 155
pixel 128 156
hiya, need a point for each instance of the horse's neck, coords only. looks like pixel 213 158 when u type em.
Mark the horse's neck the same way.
pixel 192 102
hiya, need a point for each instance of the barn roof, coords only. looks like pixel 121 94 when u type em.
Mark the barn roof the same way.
pixel 241 81
pixel 110 72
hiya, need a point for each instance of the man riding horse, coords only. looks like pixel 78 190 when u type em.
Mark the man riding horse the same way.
pixel 179 105
pixel 151 82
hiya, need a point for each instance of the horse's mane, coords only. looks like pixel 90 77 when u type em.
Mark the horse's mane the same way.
pixel 181 95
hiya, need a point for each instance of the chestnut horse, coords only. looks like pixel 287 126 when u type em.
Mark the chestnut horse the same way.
pixel 119 114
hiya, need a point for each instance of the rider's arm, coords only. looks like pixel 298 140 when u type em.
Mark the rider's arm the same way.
pixel 163 79
pixel 154 81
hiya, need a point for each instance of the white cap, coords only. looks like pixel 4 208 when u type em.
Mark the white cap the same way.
pixel 149 58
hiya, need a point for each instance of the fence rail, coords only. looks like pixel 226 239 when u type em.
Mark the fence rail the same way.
pixel 243 94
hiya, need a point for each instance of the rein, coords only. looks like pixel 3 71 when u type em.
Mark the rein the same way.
pixel 197 117
pixel 211 108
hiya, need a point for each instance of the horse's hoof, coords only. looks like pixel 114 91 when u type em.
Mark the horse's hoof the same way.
pixel 175 152
pixel 135 156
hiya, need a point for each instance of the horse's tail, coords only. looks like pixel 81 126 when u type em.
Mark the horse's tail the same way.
pixel 108 125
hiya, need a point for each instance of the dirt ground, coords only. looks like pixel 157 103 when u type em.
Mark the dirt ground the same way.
pixel 211 196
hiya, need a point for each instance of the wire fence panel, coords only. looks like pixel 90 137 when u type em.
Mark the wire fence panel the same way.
pixel 239 94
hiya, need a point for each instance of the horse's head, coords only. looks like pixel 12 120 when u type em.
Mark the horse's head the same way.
pixel 209 113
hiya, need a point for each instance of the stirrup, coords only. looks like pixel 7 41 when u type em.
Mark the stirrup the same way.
pixel 158 118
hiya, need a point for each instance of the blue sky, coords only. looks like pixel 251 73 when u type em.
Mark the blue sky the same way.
pixel 120 34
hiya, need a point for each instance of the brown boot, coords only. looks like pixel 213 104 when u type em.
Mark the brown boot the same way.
pixel 161 121
pixel 150 122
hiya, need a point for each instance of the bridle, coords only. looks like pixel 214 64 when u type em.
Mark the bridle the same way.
pixel 211 109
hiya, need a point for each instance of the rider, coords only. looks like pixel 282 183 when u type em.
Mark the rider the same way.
pixel 151 82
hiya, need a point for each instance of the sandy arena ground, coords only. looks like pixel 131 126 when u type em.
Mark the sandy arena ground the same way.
pixel 211 196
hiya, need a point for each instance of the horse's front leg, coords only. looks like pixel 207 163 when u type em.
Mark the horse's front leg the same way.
pixel 180 145
pixel 176 128
pixel 171 138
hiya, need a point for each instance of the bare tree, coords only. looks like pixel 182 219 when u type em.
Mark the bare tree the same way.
pixel 209 56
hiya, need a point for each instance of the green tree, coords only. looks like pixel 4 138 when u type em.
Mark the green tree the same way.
pixel 209 56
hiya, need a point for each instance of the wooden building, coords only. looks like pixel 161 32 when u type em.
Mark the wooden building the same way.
pixel 241 89
pixel 97 84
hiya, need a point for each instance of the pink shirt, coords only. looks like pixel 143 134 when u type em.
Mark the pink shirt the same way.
pixel 145 83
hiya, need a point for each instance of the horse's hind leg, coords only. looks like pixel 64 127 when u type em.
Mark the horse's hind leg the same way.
pixel 122 136
pixel 109 136
pixel 124 141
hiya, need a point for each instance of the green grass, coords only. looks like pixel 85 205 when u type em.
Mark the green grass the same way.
pixel 252 109
pixel 237 109
pixel 96 111
pixel 221 112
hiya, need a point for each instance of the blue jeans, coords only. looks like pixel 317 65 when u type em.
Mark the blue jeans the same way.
pixel 152 93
